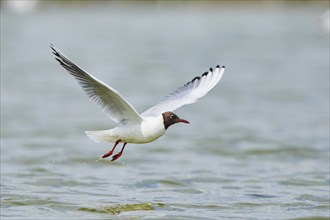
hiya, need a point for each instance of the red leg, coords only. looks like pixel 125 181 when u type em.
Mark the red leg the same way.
pixel 113 148
pixel 115 157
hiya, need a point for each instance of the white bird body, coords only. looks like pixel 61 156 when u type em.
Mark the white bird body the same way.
pixel 150 129
pixel 134 127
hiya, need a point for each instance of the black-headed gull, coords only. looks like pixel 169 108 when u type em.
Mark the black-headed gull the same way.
pixel 134 127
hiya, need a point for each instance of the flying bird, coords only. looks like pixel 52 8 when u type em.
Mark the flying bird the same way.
pixel 134 127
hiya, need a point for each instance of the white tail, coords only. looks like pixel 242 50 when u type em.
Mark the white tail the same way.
pixel 103 136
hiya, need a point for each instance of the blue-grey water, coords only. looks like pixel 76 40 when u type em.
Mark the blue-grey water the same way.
pixel 257 146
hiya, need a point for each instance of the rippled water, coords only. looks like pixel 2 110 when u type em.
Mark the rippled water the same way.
pixel 257 146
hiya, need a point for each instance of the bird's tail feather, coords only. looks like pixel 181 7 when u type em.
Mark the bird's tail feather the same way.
pixel 103 136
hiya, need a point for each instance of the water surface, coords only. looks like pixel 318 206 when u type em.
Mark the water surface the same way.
pixel 257 146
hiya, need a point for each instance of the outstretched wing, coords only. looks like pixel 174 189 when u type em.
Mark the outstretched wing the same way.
pixel 117 108
pixel 188 93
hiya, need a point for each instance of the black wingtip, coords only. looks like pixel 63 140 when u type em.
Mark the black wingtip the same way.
pixel 53 49
pixel 59 60
pixel 196 78
pixel 218 66
pixel 55 52
pixel 211 69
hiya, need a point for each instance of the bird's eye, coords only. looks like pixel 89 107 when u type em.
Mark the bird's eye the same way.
pixel 171 116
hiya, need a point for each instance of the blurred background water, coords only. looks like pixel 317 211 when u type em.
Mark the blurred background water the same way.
pixel 257 146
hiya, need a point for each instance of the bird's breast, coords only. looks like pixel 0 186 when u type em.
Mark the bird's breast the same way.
pixel 152 128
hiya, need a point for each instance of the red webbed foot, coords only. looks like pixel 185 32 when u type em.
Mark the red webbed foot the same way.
pixel 113 148
pixel 107 154
pixel 115 157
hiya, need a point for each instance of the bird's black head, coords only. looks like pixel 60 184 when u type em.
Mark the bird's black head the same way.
pixel 171 118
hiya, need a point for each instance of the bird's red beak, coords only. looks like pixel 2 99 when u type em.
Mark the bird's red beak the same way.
pixel 184 121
